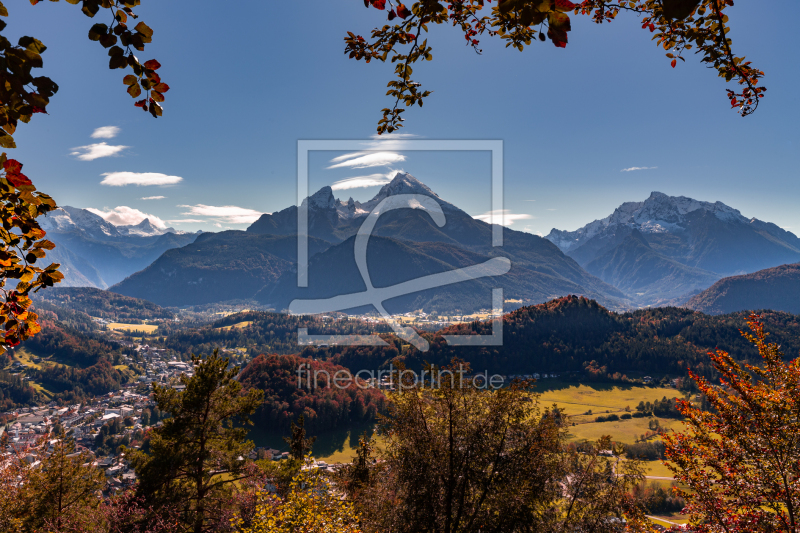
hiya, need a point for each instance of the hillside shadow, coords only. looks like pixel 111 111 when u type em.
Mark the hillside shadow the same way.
pixel 546 385
pixel 327 442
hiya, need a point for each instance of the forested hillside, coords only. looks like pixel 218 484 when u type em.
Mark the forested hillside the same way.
pixel 772 288
pixel 259 332
pixel 571 333
pixel 103 304
pixel 323 406
pixel 71 364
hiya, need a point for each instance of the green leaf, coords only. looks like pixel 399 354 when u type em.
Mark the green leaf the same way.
pixel 45 86
pixel 97 31
pixel 108 40
pixel 34 45
pixel 155 109
pixel 117 61
pixel 90 8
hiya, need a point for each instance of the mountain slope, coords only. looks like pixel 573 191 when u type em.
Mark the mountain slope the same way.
pixel 413 245
pixel 218 266
pixel 635 268
pixel 710 239
pixel 96 253
pixel 776 288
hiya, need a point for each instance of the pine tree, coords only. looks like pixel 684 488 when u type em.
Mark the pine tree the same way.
pixel 61 489
pixel 299 445
pixel 198 454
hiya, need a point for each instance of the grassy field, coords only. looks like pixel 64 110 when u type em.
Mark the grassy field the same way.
pixel 41 390
pixel 238 325
pixel 143 328
pixel 624 431
pixel 657 469
pixel 26 358
pixel 600 398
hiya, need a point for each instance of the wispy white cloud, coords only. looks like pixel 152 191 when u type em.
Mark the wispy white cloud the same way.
pixel 393 136
pixel 366 159
pixel 120 179
pixel 504 217
pixel 631 169
pixel 105 132
pixel 529 200
pixel 153 197
pixel 186 221
pixel 229 214
pixel 90 152
pixel 125 216
pixel 551 209
pixel 357 182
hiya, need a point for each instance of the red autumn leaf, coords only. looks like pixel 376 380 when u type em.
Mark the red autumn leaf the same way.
pixel 11 339
pixel 674 62
pixel 18 180
pixel 152 64
pixel 392 14
pixel 378 4
pixel 558 37
pixel 12 166
pixel 564 5
pixel 403 11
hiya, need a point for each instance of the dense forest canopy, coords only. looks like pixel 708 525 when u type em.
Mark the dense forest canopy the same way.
pixel 322 405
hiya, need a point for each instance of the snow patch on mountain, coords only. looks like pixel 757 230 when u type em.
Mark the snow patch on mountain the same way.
pixel 402 183
pixel 659 213
pixel 69 219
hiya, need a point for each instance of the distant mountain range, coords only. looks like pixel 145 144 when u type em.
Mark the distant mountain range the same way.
pixel 260 263
pixel 660 251
pixel 776 288
pixel 669 247
pixel 95 253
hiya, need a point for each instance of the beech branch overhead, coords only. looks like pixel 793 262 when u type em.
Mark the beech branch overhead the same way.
pixel 677 26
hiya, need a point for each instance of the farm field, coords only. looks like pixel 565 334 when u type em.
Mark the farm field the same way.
pixel 624 431
pixel 238 325
pixel 600 398
pixel 26 358
pixel 143 328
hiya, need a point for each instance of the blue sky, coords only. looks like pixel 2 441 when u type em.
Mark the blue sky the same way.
pixel 248 82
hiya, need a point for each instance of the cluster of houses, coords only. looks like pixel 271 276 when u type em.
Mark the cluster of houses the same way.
pixel 27 428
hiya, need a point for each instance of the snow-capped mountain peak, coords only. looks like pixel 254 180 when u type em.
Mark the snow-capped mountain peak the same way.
pixel 145 228
pixel 322 199
pixel 659 213
pixel 69 218
pixel 73 219
pixel 403 183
